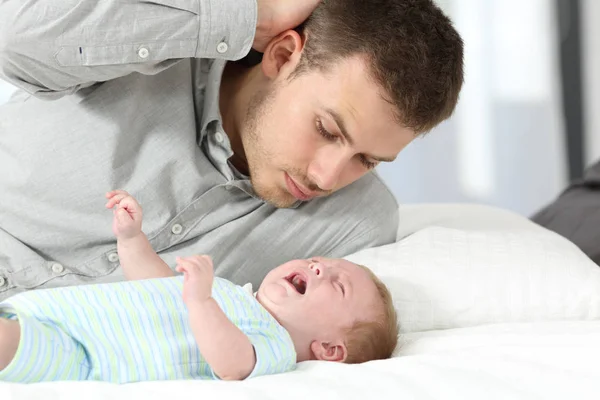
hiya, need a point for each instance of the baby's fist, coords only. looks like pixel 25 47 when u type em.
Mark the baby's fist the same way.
pixel 198 278
pixel 127 215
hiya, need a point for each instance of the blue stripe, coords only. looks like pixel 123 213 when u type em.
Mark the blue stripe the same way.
pixel 97 345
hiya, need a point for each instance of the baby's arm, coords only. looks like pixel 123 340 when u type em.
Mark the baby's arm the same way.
pixel 137 257
pixel 225 347
pixel 10 335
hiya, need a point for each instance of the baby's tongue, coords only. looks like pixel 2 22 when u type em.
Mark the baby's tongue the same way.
pixel 299 284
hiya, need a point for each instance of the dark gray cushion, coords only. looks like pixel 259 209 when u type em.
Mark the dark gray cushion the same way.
pixel 575 214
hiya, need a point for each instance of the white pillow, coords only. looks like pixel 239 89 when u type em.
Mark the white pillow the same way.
pixel 449 278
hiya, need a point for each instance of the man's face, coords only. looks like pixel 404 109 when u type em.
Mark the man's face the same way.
pixel 318 132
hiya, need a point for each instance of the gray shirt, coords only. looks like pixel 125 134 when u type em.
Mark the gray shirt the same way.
pixel 125 95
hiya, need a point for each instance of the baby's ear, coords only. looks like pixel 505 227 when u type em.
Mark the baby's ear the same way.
pixel 329 351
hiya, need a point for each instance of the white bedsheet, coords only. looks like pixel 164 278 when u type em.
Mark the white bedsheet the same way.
pixel 557 360
pixel 512 359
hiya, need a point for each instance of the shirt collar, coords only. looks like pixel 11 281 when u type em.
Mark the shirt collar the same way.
pixel 248 288
pixel 211 110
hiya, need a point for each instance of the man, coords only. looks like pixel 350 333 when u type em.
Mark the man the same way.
pixel 251 165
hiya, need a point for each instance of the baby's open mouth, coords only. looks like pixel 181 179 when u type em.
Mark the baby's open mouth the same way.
pixel 298 282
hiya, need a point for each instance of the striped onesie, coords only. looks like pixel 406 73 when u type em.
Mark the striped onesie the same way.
pixel 131 331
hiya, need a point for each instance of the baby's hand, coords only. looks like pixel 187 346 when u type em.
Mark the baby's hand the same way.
pixel 127 215
pixel 198 278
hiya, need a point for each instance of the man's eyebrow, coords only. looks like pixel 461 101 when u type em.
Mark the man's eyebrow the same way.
pixel 340 123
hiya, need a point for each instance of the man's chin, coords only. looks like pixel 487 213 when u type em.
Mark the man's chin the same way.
pixel 280 201
pixel 276 198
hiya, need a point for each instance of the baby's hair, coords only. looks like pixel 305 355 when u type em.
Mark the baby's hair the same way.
pixel 374 339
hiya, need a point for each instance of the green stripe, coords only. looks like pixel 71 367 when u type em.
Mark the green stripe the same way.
pixel 116 326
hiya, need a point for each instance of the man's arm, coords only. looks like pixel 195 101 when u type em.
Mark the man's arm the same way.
pixel 53 48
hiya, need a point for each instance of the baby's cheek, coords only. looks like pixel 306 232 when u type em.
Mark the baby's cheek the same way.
pixel 331 315
pixel 274 293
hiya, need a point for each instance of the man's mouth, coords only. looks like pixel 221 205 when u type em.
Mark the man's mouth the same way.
pixel 299 193
pixel 298 282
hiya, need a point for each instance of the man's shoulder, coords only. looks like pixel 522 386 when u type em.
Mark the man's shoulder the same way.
pixel 370 188
pixel 368 195
pixel 365 206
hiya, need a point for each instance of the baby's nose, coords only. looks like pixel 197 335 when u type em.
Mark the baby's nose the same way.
pixel 316 268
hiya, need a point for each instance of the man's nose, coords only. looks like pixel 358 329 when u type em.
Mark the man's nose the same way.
pixel 325 172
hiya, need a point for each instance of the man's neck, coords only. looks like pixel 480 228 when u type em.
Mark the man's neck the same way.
pixel 234 93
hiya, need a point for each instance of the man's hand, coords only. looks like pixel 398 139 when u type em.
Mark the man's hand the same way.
pixel 198 278
pixel 276 16
pixel 127 215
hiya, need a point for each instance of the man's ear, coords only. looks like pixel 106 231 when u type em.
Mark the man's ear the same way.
pixel 329 351
pixel 282 54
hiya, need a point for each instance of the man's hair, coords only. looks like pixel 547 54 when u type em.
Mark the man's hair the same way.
pixel 375 339
pixel 412 50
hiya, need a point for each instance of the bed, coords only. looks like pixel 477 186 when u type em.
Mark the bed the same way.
pixel 491 306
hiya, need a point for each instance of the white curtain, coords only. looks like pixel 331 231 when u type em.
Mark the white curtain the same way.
pixel 504 146
pixel 591 76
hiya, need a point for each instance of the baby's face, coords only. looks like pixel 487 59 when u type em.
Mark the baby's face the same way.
pixel 319 296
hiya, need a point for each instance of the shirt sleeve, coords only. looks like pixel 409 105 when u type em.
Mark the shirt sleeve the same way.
pixel 274 350
pixel 275 353
pixel 53 48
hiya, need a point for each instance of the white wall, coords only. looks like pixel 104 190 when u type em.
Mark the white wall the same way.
pixel 591 70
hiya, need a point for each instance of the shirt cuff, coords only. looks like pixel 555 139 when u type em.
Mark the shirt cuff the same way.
pixel 227 28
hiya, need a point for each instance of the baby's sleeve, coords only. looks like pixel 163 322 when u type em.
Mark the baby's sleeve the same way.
pixel 273 347
pixel 274 350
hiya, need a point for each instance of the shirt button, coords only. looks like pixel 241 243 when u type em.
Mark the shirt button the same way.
pixel 176 229
pixel 143 52
pixel 222 47
pixel 219 137
pixel 2 281
pixel 113 257
pixel 228 186
pixel 57 268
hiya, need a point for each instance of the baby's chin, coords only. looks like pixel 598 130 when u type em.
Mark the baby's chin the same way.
pixel 264 300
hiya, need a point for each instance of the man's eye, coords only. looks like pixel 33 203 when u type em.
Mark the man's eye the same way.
pixel 324 132
pixel 342 288
pixel 368 164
